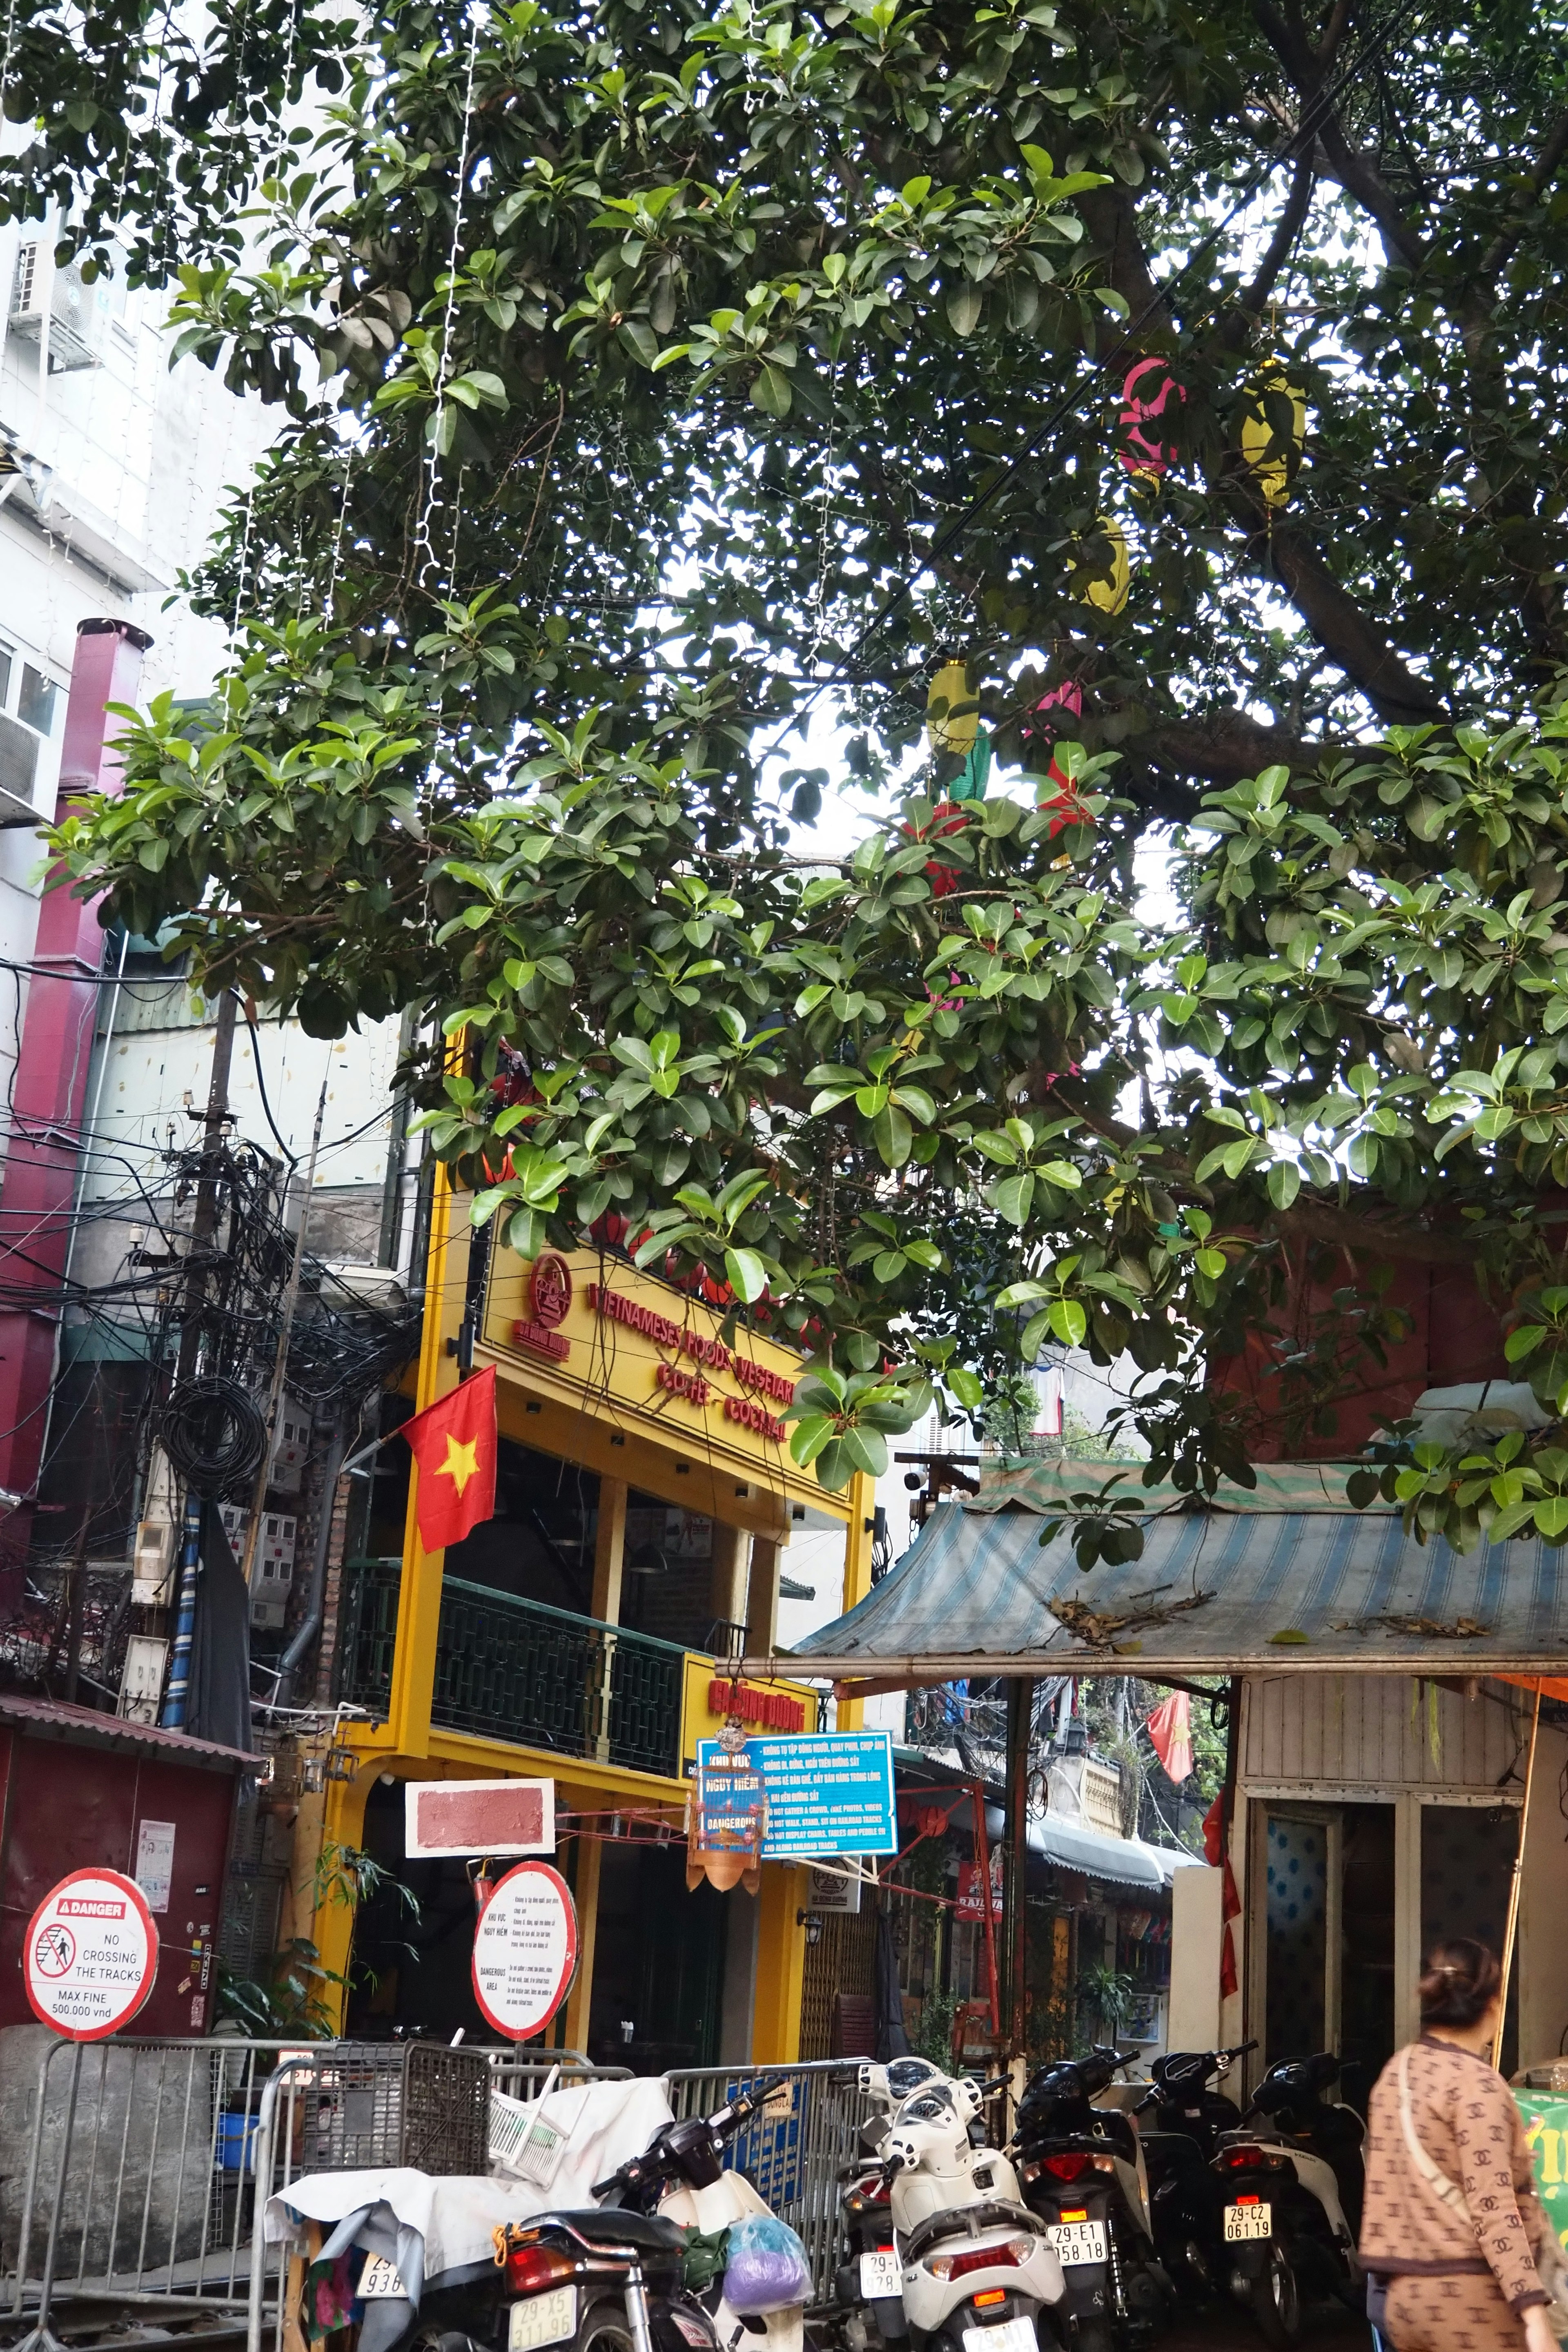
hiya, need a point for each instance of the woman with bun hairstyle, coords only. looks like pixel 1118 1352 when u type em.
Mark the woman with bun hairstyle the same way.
pixel 1452 2227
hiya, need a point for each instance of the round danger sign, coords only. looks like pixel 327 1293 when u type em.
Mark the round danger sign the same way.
pixel 525 1950
pixel 92 1955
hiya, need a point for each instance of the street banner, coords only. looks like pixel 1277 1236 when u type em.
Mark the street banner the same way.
pixel 824 1792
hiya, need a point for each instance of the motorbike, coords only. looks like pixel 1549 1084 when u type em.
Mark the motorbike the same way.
pixel 1180 2122
pixel 1291 2178
pixel 608 2278
pixel 955 2260
pixel 869 2286
pixel 1083 2170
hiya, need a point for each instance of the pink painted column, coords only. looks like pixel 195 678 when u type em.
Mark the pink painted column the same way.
pixel 51 1092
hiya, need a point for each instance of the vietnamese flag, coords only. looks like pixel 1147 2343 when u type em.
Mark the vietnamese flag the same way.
pixel 1169 1728
pixel 453 1444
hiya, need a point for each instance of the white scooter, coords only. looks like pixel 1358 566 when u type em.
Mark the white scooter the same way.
pixel 971 2266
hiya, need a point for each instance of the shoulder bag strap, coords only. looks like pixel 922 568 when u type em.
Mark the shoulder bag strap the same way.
pixel 1438 2182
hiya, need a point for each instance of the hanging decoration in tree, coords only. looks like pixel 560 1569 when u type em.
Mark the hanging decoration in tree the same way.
pixel 1055 790
pixel 1273 433
pixel 953 709
pixel 971 781
pixel 1107 591
pixel 1150 389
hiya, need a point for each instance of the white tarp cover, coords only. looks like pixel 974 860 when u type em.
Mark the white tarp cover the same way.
pixel 435 2228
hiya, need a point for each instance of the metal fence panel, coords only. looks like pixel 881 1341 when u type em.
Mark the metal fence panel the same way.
pixel 795 2152
pixel 139 2177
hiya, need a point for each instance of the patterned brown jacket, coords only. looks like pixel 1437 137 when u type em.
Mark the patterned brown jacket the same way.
pixel 1464 2117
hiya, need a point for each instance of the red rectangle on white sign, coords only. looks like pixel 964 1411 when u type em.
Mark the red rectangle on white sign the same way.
pixel 474 1818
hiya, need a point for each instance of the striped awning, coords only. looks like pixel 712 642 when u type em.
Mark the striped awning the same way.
pixel 1231 1591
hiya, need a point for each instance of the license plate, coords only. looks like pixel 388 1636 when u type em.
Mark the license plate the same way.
pixel 881 2275
pixel 379 2281
pixel 1079 2241
pixel 1242 2222
pixel 1007 2336
pixel 543 2319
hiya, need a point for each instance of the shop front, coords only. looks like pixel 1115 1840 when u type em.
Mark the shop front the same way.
pixel 645 1501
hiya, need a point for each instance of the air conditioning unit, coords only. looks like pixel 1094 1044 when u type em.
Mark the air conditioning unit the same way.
pixel 77 313
pixel 28 290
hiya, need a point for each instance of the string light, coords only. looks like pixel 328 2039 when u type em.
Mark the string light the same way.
pixel 422 539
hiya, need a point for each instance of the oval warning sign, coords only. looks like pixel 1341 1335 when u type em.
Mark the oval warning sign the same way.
pixel 92 1955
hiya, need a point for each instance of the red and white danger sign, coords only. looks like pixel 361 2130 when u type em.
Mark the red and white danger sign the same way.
pixel 525 1950
pixel 92 1955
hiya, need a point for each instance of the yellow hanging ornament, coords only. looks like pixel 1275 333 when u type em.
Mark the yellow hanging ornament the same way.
pixel 1108 593
pixel 953 711
pixel 1272 456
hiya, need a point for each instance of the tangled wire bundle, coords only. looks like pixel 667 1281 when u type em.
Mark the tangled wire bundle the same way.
pixel 214 1434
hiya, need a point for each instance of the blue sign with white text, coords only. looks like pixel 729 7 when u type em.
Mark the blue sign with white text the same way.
pixel 816 1793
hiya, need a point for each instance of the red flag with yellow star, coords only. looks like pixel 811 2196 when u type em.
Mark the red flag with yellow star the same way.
pixel 453 1444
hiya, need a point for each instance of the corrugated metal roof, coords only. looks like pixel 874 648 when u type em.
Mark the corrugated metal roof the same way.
pixel 88 1727
pixel 1275 1592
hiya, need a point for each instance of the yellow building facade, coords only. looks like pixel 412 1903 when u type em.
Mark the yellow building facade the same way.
pixel 612 1374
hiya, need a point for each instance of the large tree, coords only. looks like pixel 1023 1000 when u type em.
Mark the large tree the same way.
pixel 1191 376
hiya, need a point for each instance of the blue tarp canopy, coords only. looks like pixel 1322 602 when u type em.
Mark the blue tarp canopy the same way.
pixel 1274 1582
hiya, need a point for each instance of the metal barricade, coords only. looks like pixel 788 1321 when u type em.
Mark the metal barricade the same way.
pixel 139 2180
pixel 795 2152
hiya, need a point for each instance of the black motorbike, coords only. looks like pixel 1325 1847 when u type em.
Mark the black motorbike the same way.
pixel 604 2278
pixel 1180 2123
pixel 1080 2170
pixel 1291 2180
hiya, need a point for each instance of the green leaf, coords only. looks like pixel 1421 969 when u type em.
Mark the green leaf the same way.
pixel 967 1387
pixel 771 391
pixel 1069 1322
pixel 1012 1197
pixel 1284 1182
pixel 892 1135
pixel 746 1275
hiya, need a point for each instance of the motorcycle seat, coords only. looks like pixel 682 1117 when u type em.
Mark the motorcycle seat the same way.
pixel 612 2225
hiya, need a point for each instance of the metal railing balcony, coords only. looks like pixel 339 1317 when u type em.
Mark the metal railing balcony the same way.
pixel 516 1670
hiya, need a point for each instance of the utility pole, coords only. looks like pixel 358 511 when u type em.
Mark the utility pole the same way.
pixel 1020 1713
pixel 204 1223
pixel 280 1360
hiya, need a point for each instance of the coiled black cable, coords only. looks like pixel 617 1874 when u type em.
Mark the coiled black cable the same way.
pixel 214 1434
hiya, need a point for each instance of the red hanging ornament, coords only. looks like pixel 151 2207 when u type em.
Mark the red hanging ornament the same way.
pixel 1148 392
pixel 1064 801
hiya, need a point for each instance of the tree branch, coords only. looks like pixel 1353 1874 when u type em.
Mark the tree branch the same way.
pixel 1500 251
pixel 1292 220
pixel 1355 172
pixel 1278 550
pixel 1223 747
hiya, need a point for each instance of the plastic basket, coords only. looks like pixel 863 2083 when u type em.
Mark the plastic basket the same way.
pixel 521 2142
pixel 370 2105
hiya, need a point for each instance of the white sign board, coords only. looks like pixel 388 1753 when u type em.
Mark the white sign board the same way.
pixel 479 1818
pixel 836 1890
pixel 92 1955
pixel 154 1871
pixel 525 1950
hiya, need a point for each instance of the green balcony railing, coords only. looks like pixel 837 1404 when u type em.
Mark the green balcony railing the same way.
pixel 515 1670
